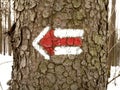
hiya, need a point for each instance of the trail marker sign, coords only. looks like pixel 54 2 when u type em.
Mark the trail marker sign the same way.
pixel 58 42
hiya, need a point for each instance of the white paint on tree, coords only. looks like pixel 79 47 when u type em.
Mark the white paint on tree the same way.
pixel 68 32
pixel 37 46
pixel 58 32
pixel 67 50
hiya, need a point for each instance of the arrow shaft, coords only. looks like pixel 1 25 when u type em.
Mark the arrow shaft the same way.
pixel 68 32
pixel 67 42
pixel 67 50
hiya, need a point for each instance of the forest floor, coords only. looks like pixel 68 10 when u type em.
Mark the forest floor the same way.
pixel 6 68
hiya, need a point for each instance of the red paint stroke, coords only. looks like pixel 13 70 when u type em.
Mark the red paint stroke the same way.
pixel 49 42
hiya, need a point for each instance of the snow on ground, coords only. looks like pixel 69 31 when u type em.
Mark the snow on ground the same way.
pixel 5 70
pixel 114 85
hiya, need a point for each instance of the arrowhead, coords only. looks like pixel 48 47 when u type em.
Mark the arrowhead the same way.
pixel 38 39
pixel 47 42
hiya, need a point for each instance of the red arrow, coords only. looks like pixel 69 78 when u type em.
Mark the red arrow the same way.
pixel 49 42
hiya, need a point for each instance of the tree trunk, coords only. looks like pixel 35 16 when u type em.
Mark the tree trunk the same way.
pixel 9 26
pixel 0 28
pixel 112 37
pixel 86 71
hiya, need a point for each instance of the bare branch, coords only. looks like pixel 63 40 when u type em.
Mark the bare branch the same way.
pixel 114 78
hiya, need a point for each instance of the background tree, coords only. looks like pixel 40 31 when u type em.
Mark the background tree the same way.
pixel 87 71
pixel 0 28
pixel 5 24
pixel 112 38
pixel 9 25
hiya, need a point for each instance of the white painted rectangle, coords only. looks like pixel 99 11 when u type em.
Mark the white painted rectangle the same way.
pixel 67 50
pixel 68 32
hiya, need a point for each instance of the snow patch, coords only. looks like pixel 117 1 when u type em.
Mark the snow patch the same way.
pixel 115 84
pixel 5 70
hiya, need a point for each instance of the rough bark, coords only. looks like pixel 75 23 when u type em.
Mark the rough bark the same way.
pixel 87 71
